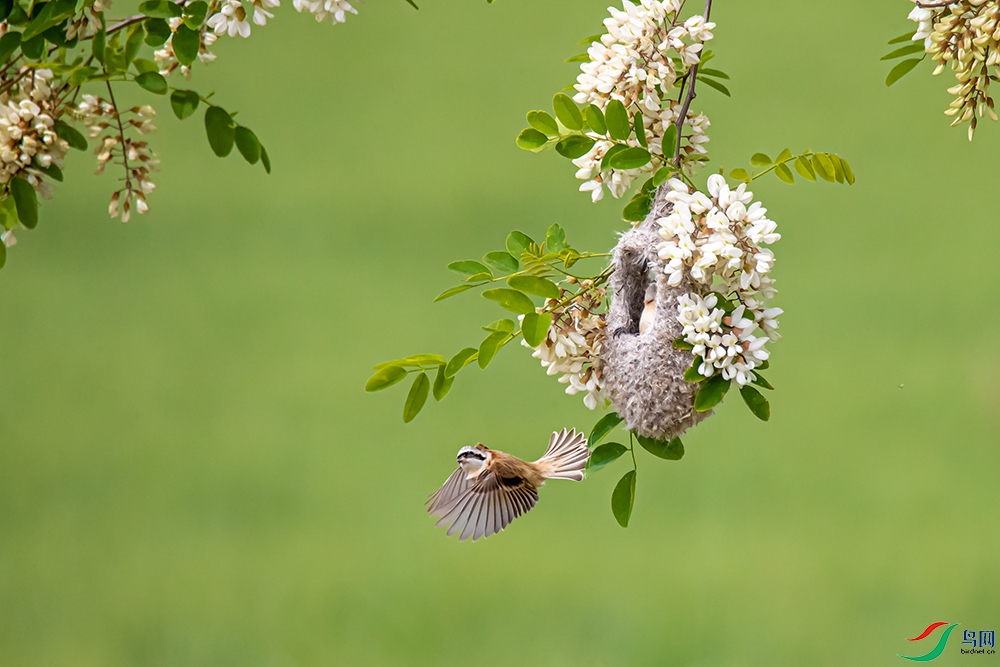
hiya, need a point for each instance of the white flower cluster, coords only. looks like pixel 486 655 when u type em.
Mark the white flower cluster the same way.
pixel 337 10
pixel 964 35
pixel 618 181
pixel 166 60
pixel 634 64
pixel 98 116
pixel 231 15
pixel 28 141
pixel 717 240
pixel 574 342
pixel 724 343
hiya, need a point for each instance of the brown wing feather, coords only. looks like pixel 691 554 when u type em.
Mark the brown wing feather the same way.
pixel 484 507
pixel 453 487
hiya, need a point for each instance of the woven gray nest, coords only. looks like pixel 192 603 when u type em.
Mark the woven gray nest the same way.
pixel 643 375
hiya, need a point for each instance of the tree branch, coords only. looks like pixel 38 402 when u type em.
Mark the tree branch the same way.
pixel 692 77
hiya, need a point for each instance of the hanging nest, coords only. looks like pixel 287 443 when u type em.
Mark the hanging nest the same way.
pixel 642 374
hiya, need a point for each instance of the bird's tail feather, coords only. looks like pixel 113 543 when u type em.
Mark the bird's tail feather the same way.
pixel 566 457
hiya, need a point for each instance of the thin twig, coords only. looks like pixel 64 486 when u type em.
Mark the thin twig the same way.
pixel 691 79
pixel 935 5
pixel 121 135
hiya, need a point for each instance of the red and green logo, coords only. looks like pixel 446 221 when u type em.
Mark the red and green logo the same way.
pixel 941 642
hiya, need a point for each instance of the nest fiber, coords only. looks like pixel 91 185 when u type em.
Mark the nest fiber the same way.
pixel 642 374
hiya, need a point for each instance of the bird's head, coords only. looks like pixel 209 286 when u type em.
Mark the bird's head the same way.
pixel 472 459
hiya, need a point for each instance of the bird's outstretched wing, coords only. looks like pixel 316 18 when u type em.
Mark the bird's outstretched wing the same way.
pixel 483 506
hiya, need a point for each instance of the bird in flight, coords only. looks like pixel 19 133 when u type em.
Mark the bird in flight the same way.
pixel 491 488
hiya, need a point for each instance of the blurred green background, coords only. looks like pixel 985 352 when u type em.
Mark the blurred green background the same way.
pixel 191 474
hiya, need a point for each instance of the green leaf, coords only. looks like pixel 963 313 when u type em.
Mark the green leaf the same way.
pixel 51 14
pixel 5 8
pixel 672 450
pixel 610 154
pixel 71 136
pixel 567 112
pixel 579 58
pixel 662 175
pixel 143 65
pixel 555 238
pixel 756 402
pixel 9 43
pixel 507 326
pixel 574 146
pixel 136 33
pixel 640 130
pixel 469 267
pixel 617 120
pixel 838 169
pixel 638 208
pixel 605 454
pixel 764 365
pixel 220 129
pixel 33 48
pixel 535 328
pixel 604 425
pixel 711 393
pixel 490 346
pixel 534 285
pixel 511 300
pixel 739 174
pixel 712 83
pixel 416 398
pixel 761 382
pixel 501 261
pixel 3 254
pixel 543 122
pixel 157 32
pixel 248 144
pixel 186 43
pixel 461 359
pixel 452 291
pixel 153 82
pixel 669 141
pixel 630 158
pixel 184 103
pixel 784 173
pixel 385 378
pixel 824 167
pixel 805 169
pixel 907 50
pixel 901 69
pixel 52 171
pixel 442 384
pixel 518 243
pixel 760 160
pixel 848 172
pixel 718 74
pixel 590 40
pixel 623 498
pixel 161 9
pixel 530 139
pixel 415 360
pixel 681 344
pixel 905 37
pixel 194 14
pixel 26 200
pixel 692 374
pixel 595 119
pixel 265 160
